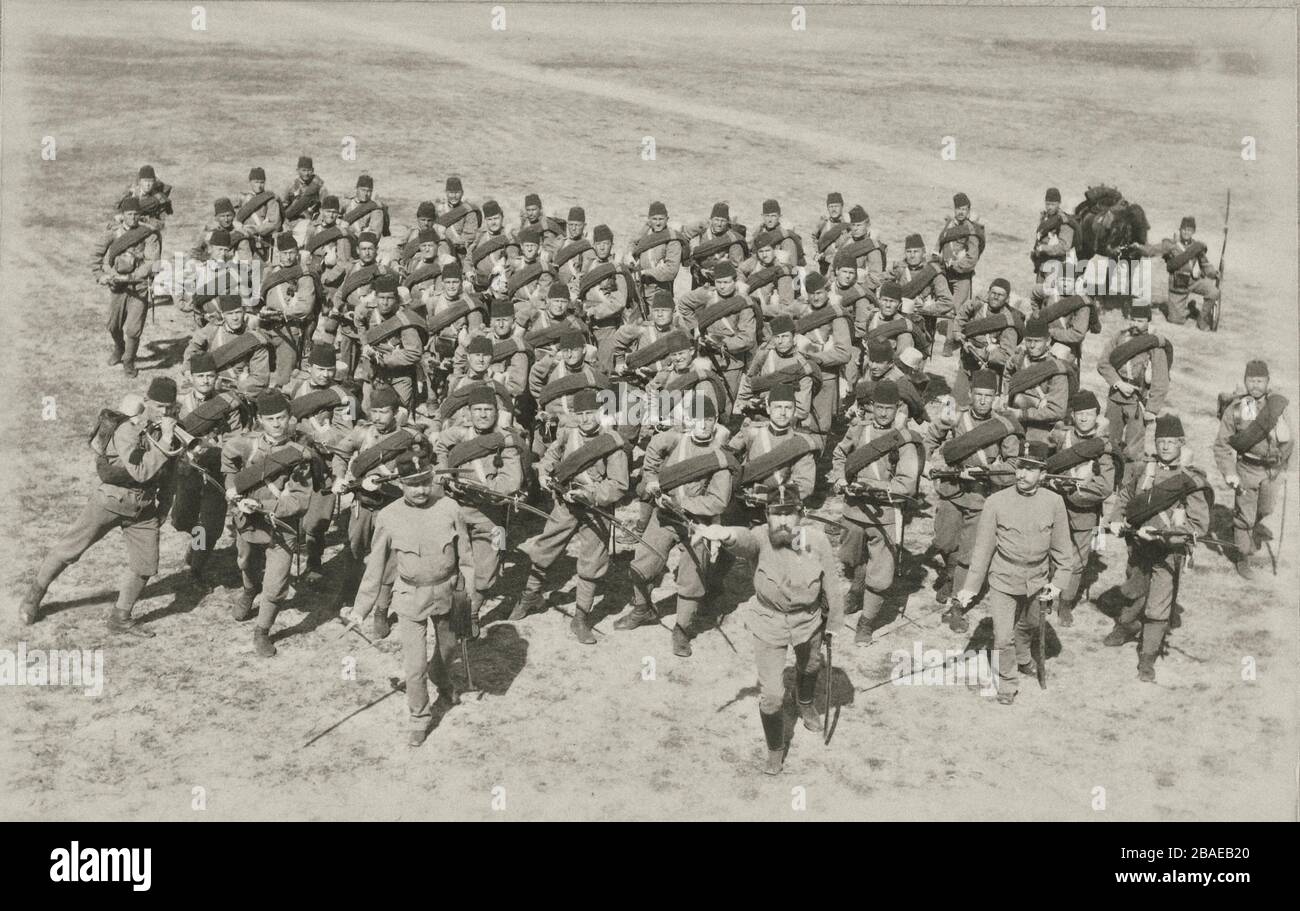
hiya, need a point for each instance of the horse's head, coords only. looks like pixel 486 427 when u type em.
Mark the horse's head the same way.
pixel 1130 226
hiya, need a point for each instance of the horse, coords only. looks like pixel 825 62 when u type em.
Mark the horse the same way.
pixel 1108 224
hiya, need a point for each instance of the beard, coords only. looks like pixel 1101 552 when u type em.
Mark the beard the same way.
pixel 780 537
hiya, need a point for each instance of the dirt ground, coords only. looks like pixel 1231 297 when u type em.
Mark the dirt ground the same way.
pixel 741 107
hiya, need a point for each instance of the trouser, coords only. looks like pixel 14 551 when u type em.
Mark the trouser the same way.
pixel 1254 502
pixel 650 560
pixel 605 347
pixel 316 525
pixel 1152 587
pixel 1177 305
pixel 1128 431
pixel 361 528
pixel 961 291
pixel 126 310
pixel 954 538
pixel 96 520
pixel 487 538
pixel 264 566
pixel 287 342
pixel 1081 541
pixel 869 558
pixel 770 661
pixel 566 522
pixel 414 637
pixel 1015 621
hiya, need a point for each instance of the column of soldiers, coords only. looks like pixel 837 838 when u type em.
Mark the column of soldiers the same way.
pixel 421 391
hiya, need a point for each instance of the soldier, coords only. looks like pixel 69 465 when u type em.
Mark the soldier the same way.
pixel 124 261
pixel 988 331
pixel 726 323
pixel 248 375
pixel 1163 508
pixel 530 275
pixel 961 243
pixel 924 289
pixel 881 365
pixel 498 469
pixel 861 244
pixel 858 304
pixel 1253 450
pixel 555 413
pixel 1019 530
pixel 421 273
pixel 715 241
pixel 509 368
pixel 329 248
pixel 372 488
pixel 1068 320
pixel 153 195
pixel 1084 455
pixel 362 212
pixel 889 323
pixel 766 280
pixel 586 469
pixel 1190 272
pixel 605 296
pixel 392 360
pixel 426 214
pixel 457 219
pixel 824 337
pixel 134 462
pixel 454 410
pixel 326 428
pixel 549 230
pixel 216 275
pixel 421 560
pixel 827 230
pixel 268 506
pixel 200 501
pixel 697 496
pixel 259 215
pixel 222 225
pixel 575 253
pixel 1053 243
pixel 657 254
pixel 796 604
pixel 493 248
pixel 287 316
pixel 305 192
pixel 1135 363
pixel 631 337
pixel 1037 388
pixel 778 355
pixel 455 315
pixel 758 438
pixel 966 470
pixel 888 466
pixel 351 303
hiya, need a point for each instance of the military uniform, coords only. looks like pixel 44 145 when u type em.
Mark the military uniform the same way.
pixel 124 260
pixel 1258 465
pixel 1040 407
pixel 733 337
pixel 657 256
pixel 829 346
pixel 990 350
pixel 250 376
pixel 1190 272
pixel 960 245
pixel 1022 544
pixel 259 216
pixel 1130 414
pixel 199 503
pixel 287 317
pixel 1094 483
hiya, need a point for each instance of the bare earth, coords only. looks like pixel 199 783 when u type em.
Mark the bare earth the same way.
pixel 741 108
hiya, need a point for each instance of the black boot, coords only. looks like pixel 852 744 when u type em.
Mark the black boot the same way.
pixel 804 691
pixel 681 642
pixel 529 602
pixel 115 356
pixel 128 358
pixel 1122 633
pixel 774 734
pixel 1153 636
pixel 639 615
pixel 119 622
pixel 381 625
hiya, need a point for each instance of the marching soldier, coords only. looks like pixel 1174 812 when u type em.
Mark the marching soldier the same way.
pixel 223 228
pixel 586 469
pixel 287 317
pixel 493 248
pixel 421 272
pixel 758 438
pixel 1252 451
pixel 766 280
pixel 454 316
pixel 1163 508
pixel 1037 388
pixel 488 458
pixel 550 231
pixel 510 364
pixel 351 304
pixel 924 289
pixel 270 474
pixel 1135 363
pixel 1020 530
pixel 248 374
pixel 631 337
pixel 422 561
pixel 529 276
pixel 828 227
pixel 200 501
pixel 455 407
pixel 966 469
pixel 688 477
pixel 988 331
pixel 605 297
pixel 259 215
pixel 715 241
pixel 961 243
pixel 134 466
pixel 888 322
pixel 657 254
pixel 306 186
pixel 329 248
pixel 725 321
pixel 778 356
pixel 124 261
pixel 881 366
pixel 825 337
pixel 1053 243
pixel 391 362
pixel 861 244
pixel 796 604
pixel 426 213
pixel 1083 455
pixel 362 212
pixel 154 197
pixel 574 255
pixel 789 245
pixel 555 411
pixel 873 464
pixel 457 219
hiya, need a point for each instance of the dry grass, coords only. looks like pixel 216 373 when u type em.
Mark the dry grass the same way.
pixel 558 103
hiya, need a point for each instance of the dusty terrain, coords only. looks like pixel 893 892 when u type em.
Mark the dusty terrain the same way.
pixel 741 107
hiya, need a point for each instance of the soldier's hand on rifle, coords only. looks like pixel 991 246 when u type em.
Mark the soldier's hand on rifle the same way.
pixel 1049 593
pixel 1124 387
pixel 841 486
pixel 1233 481
pixel 967 474
pixel 652 487
pixel 339 487
pixel 247 506
pixel 1147 533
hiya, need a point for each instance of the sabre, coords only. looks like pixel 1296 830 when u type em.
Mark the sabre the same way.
pixel 827 724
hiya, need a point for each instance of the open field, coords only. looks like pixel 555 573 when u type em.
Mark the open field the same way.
pixel 741 108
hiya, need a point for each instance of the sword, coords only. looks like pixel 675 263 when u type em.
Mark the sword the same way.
pixel 396 687
pixel 827 724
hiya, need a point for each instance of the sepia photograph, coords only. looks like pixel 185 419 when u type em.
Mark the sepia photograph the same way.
pixel 576 412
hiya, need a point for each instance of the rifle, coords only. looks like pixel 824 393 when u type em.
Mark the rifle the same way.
pixel 865 492
pixel 1218 279
pixel 356 484
pixel 513 500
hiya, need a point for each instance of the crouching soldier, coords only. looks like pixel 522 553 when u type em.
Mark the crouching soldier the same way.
pixel 270 475
pixel 1162 509
pixel 1020 529
pixel 586 469
pixel 422 544
pixel 796 604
